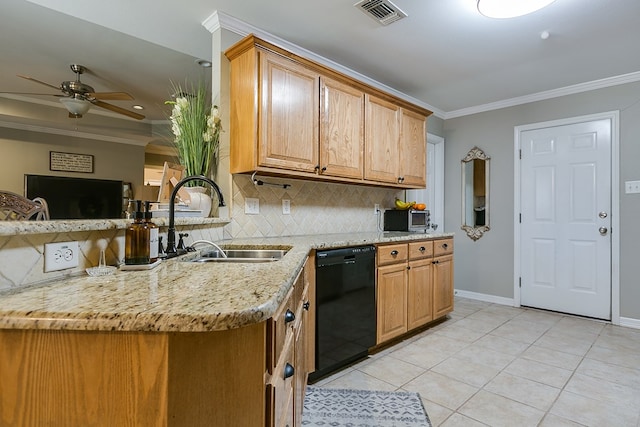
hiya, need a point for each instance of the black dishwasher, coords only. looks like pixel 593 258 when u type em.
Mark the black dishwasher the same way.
pixel 345 307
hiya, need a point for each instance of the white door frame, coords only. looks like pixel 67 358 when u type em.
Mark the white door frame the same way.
pixel 438 186
pixel 614 116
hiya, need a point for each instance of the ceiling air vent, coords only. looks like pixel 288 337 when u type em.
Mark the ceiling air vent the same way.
pixel 383 11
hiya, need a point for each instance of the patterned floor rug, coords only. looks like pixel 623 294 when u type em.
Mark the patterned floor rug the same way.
pixel 363 408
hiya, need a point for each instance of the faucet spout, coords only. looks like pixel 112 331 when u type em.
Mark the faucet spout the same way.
pixel 171 233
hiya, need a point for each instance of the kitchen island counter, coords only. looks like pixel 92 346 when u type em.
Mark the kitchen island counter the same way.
pixel 177 296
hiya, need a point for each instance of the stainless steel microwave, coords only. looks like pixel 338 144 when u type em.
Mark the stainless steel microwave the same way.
pixel 407 220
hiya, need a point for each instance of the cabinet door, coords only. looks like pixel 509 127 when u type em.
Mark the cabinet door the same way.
pixel 443 285
pixel 391 301
pixel 419 293
pixel 382 135
pixel 289 105
pixel 341 129
pixel 413 149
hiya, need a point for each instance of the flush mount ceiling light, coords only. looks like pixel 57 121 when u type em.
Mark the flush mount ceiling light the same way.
pixel 76 106
pixel 510 8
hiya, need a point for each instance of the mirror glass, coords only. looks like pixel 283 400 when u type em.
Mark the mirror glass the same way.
pixel 475 193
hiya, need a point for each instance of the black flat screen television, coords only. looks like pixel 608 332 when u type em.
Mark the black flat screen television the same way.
pixel 76 198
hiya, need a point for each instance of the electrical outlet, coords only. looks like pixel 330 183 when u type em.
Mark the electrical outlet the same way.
pixel 60 256
pixel 286 207
pixel 251 206
pixel 632 187
pixel 376 209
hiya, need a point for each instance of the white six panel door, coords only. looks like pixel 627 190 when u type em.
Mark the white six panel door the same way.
pixel 566 221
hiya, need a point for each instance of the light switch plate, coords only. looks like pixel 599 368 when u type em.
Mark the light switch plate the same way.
pixel 251 206
pixel 60 256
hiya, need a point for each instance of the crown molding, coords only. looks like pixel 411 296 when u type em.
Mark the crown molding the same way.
pixel 549 94
pixel 219 20
pixel 74 133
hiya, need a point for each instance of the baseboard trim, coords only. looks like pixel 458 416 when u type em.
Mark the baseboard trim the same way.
pixel 484 297
pixel 630 322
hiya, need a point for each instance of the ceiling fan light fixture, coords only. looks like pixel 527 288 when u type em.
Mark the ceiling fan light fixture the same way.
pixel 503 9
pixel 77 107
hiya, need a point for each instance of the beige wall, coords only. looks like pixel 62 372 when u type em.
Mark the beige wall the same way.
pixel 27 152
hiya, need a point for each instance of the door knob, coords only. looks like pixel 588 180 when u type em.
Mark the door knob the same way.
pixel 603 231
pixel 602 214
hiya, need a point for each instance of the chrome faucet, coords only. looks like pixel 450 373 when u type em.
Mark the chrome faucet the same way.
pixel 171 234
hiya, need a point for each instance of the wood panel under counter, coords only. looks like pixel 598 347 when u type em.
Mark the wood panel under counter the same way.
pixel 181 345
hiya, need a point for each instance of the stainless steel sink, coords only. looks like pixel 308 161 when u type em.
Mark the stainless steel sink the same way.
pixel 241 255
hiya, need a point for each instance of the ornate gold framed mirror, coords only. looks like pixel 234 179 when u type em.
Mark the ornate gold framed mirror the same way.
pixel 475 193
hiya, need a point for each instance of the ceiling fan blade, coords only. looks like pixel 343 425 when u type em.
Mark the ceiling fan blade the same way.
pixel 38 81
pixel 32 93
pixel 117 109
pixel 115 96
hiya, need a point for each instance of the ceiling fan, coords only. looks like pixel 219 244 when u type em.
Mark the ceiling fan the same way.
pixel 78 97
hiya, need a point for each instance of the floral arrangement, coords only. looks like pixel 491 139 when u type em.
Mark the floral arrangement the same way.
pixel 196 127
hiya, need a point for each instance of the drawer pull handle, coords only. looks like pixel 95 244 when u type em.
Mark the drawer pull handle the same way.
pixel 289 316
pixel 306 305
pixel 288 371
pixel 394 253
pixel 422 249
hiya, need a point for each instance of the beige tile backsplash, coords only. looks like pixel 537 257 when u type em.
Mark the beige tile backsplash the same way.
pixel 316 207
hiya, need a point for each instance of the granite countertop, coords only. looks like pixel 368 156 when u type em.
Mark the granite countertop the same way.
pixel 177 296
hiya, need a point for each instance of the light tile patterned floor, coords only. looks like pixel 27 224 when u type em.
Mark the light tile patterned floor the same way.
pixel 494 365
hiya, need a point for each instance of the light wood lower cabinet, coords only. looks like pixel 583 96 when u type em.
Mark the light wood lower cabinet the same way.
pixel 414 285
pixel 250 376
pixel 290 334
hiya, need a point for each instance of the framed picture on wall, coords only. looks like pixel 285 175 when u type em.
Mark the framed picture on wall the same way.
pixel 70 162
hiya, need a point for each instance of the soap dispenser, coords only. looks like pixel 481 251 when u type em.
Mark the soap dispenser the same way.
pixel 137 235
pixel 153 233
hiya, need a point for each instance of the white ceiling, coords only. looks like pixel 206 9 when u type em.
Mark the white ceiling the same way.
pixel 444 54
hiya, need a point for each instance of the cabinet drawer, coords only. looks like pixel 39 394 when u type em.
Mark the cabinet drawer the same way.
pixel 280 327
pixel 388 254
pixel 442 247
pixel 419 250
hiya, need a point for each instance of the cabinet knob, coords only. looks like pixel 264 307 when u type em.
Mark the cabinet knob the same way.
pixel 317 168
pixel 288 371
pixel 289 316
pixel 323 169
pixel 394 253
pixel 306 305
pixel 422 249
pixel 445 246
pixel 408 267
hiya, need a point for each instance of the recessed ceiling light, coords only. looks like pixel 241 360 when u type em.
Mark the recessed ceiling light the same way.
pixel 203 63
pixel 137 107
pixel 510 8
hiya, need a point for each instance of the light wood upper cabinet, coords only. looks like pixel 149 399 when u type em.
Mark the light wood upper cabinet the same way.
pixel 293 117
pixel 383 129
pixel 289 103
pixel 341 129
pixel 412 167
pixel 396 144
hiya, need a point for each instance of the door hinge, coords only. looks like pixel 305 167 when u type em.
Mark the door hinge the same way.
pixel 520 218
pixel 520 153
pixel 519 282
